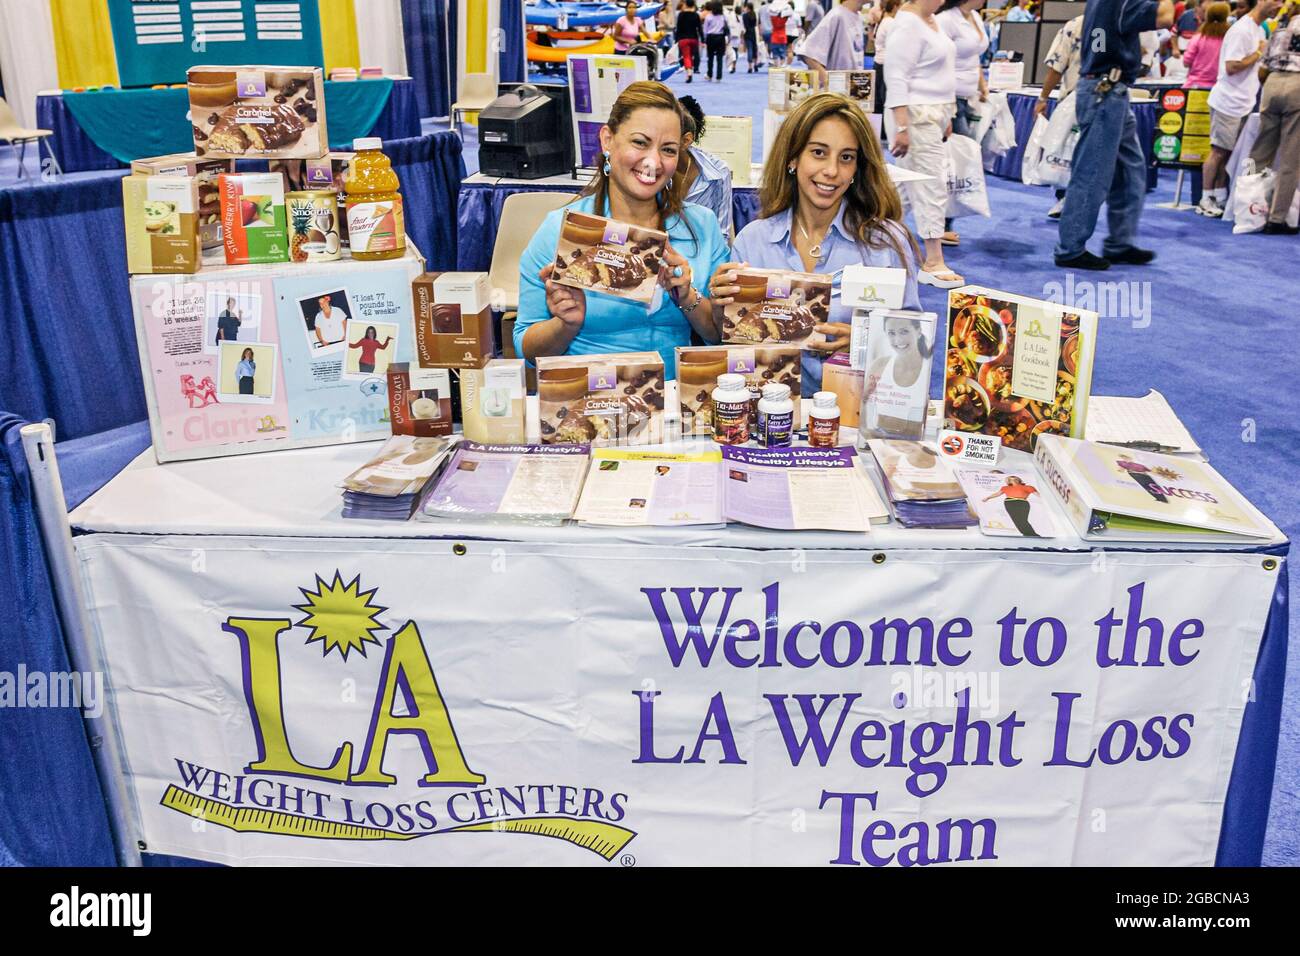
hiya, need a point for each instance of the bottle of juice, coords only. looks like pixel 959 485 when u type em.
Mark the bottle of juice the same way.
pixel 375 224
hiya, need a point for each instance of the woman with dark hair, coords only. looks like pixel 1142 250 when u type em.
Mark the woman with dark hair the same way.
pixel 690 33
pixel 708 180
pixel 749 23
pixel 1017 493
pixel 245 372
pixel 370 346
pixel 637 183
pixel 897 382
pixel 828 202
pixel 715 38
pixel 627 30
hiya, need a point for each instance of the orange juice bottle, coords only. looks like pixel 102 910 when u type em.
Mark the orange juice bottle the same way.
pixel 374 204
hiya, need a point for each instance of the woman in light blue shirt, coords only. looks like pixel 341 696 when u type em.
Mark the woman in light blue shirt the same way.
pixel 246 372
pixel 828 202
pixel 641 144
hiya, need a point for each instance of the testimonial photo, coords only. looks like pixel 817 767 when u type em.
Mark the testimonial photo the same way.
pixel 246 372
pixel 325 320
pixel 371 347
pixel 231 316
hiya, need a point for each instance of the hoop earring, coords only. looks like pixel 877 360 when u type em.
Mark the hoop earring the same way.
pixel 789 170
pixel 605 169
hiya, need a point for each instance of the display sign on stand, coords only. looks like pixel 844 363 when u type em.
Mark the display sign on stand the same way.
pixel 595 80
pixel 731 139
pixel 1182 128
pixel 1006 75
pixel 240 359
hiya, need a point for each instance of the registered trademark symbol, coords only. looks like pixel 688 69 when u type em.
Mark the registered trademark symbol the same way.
pixel 627 859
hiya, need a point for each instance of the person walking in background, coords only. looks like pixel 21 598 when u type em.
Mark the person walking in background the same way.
pixel 715 38
pixel 1062 64
pixel 837 43
pixel 734 32
pixel 1232 99
pixel 813 14
pixel 1108 163
pixel 960 20
pixel 1278 145
pixel 884 14
pixel 1187 24
pixel 922 75
pixel 690 33
pixel 1201 55
pixel 765 29
pixel 777 46
pixel 627 30
pixel 749 23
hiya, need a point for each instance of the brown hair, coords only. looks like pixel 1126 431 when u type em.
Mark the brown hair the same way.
pixel 873 210
pixel 641 95
pixel 1216 20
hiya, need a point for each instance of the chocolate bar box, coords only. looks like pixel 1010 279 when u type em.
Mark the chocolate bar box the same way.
pixel 614 399
pixel 775 305
pixel 698 368
pixel 266 112
pixel 603 255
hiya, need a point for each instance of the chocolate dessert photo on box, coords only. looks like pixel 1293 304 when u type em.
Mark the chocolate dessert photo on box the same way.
pixel 775 305
pixel 610 257
pixel 614 399
pixel 258 111
pixel 698 368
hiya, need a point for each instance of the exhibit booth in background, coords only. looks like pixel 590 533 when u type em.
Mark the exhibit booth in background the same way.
pixel 84 44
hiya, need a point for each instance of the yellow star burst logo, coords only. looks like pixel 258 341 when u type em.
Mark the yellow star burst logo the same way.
pixel 341 615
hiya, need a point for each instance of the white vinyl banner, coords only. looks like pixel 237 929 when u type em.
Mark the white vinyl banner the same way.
pixel 398 702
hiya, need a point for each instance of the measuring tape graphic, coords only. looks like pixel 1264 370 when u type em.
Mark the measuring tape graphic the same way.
pixel 604 839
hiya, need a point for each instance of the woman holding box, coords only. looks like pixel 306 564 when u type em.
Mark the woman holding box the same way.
pixel 828 202
pixel 636 182
pixel 921 76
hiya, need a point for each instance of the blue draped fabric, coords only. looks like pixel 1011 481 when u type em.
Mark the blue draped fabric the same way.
pixel 426 30
pixel 69 336
pixel 52 810
pixel 108 128
pixel 1007 166
pixel 513 57
pixel 478 211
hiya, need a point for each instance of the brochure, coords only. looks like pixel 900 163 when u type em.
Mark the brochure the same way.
pixel 923 492
pixel 797 489
pixel 1016 368
pixel 529 483
pixel 896 389
pixel 1007 504
pixel 402 465
pixel 1118 494
pixel 638 488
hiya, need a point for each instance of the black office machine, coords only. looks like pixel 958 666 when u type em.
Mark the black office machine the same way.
pixel 526 132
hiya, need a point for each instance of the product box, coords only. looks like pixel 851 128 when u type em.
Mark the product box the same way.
pixel 162 223
pixel 872 287
pixel 205 171
pixel 253 224
pixel 857 85
pixel 603 255
pixel 776 305
pixel 419 400
pixel 453 319
pixel 328 172
pixel 840 377
pixel 614 399
pixel 731 139
pixel 788 87
pixel 698 368
pixel 492 402
pixel 263 112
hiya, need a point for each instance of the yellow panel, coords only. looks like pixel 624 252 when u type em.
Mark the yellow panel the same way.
pixel 338 30
pixel 476 37
pixel 83 43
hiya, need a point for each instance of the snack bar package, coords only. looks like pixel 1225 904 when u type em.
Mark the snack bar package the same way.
pixel 603 255
pixel 614 399
pixel 162 229
pixel 775 305
pixel 205 172
pixel 263 112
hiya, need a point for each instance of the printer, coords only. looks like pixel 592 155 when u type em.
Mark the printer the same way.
pixel 526 132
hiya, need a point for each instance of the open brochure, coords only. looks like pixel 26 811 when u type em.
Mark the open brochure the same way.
pixel 1118 494
pixel 635 488
pixel 529 483
pixel 798 489
pixel 1007 503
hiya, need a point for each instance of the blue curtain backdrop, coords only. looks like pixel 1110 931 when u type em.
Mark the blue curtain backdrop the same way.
pixel 427 26
pixel 514 66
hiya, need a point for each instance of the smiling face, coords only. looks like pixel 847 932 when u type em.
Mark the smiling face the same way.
pixel 827 164
pixel 902 335
pixel 643 152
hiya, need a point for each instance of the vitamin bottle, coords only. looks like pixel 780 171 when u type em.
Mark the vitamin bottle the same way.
pixel 775 416
pixel 824 421
pixel 731 410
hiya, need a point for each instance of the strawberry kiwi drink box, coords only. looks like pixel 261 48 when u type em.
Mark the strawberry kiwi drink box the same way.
pixel 253 225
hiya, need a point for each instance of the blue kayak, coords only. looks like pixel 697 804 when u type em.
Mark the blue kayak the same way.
pixel 550 13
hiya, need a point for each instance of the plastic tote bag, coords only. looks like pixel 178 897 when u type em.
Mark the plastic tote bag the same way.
pixel 1251 198
pixel 1058 145
pixel 964 169
pixel 1033 158
pixel 996 129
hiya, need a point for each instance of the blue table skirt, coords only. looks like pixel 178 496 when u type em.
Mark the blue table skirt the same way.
pixel 109 128
pixel 478 211
pixel 1007 166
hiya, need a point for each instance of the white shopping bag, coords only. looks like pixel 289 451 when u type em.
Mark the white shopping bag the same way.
pixel 1058 145
pixel 964 168
pixel 1033 159
pixel 1251 197
pixel 1000 134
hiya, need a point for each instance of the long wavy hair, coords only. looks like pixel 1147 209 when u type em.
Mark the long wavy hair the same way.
pixel 873 209
pixel 641 95
pixel 1216 20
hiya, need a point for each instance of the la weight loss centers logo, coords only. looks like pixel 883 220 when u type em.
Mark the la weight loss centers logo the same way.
pixel 276 793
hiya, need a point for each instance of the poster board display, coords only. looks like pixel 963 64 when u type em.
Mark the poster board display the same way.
pixel 156 41
pixel 1182 133
pixel 731 139
pixel 309 379
pixel 595 80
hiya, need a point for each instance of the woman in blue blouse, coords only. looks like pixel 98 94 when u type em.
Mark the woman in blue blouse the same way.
pixel 828 202
pixel 641 144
